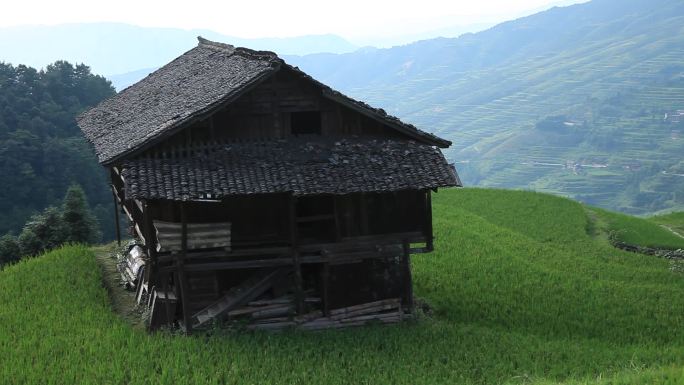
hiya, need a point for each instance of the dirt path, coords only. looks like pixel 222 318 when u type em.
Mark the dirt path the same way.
pixel 122 300
pixel 673 231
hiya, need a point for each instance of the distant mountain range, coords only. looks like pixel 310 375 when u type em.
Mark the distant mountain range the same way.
pixel 585 101
pixel 115 48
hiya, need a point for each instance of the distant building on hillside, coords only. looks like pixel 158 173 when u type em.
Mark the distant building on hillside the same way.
pixel 261 194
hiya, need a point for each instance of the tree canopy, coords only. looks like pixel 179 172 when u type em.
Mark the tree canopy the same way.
pixel 42 151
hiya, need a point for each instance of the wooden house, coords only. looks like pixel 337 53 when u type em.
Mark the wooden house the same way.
pixel 258 192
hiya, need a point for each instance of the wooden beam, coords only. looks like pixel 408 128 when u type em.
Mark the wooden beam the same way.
pixel 325 289
pixel 180 262
pixel 147 233
pixel 428 221
pixel 247 264
pixel 339 258
pixel 408 281
pixel 116 216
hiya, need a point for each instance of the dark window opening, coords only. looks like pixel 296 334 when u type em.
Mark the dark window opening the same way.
pixel 305 123
pixel 315 219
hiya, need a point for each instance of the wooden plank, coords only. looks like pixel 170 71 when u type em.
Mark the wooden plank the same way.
pixel 273 312
pixel 272 326
pixel 254 263
pixel 239 295
pixel 198 235
pixel 261 251
pixel 192 226
pixel 371 317
pixel 252 309
pixel 365 311
pixel 269 302
pixel 368 305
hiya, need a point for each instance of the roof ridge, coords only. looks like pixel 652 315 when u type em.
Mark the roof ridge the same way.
pixel 242 51
pixel 202 42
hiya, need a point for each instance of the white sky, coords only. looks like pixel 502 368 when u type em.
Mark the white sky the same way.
pixel 351 19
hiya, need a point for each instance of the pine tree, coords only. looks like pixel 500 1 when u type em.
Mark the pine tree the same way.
pixel 81 225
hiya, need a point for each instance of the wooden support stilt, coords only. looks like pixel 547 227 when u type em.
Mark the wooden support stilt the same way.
pixel 428 221
pixel 167 303
pixel 160 279
pixel 180 264
pixel 116 217
pixel 325 282
pixel 408 280
pixel 299 285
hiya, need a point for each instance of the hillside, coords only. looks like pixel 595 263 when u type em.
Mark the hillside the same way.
pixel 585 101
pixel 518 293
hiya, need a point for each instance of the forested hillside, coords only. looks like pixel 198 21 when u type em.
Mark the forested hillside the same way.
pixel 585 101
pixel 42 151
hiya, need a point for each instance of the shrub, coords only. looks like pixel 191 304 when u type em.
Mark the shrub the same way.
pixel 9 249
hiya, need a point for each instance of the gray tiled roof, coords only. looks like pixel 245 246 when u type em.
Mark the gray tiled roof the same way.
pixel 295 165
pixel 190 87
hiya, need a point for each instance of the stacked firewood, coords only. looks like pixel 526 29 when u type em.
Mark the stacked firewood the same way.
pixel 277 314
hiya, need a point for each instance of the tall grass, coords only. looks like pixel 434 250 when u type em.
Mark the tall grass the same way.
pixel 519 294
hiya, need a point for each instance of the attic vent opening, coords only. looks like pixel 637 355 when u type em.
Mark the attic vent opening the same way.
pixel 305 123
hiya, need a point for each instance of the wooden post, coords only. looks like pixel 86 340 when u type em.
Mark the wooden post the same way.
pixel 299 286
pixel 428 221
pixel 336 214
pixel 408 280
pixel 180 262
pixel 325 282
pixel 167 303
pixel 364 214
pixel 116 216
pixel 151 246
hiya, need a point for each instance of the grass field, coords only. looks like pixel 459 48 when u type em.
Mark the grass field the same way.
pixel 520 293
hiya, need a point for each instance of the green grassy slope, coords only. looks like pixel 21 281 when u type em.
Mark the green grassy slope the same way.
pixel 519 294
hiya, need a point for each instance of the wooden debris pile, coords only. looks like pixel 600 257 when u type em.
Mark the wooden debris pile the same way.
pixel 279 313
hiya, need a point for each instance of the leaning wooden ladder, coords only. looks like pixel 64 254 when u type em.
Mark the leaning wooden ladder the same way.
pixel 240 295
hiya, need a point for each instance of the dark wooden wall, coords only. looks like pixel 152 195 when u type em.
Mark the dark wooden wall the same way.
pixel 264 219
pixel 256 219
pixel 266 112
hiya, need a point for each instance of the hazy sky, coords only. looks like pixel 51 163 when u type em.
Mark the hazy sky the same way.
pixel 353 19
